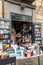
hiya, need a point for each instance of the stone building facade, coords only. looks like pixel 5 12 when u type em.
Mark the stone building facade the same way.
pixel 37 13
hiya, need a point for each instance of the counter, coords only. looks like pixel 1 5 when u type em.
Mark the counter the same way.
pixel 35 60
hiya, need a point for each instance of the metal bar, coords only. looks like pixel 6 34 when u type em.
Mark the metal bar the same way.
pixel 38 60
pixel 3 8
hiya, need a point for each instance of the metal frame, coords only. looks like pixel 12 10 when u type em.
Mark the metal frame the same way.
pixel 3 8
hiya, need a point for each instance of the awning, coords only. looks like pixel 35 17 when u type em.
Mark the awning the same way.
pixel 28 1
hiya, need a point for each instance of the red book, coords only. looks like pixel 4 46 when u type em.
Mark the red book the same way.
pixel 25 55
pixel 32 53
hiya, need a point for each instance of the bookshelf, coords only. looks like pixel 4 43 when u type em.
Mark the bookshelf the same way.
pixel 4 30
pixel 38 33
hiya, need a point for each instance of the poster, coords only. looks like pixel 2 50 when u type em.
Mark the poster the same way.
pixel 19 53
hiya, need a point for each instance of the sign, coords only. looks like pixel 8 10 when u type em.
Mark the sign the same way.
pixel 19 53
pixel 20 17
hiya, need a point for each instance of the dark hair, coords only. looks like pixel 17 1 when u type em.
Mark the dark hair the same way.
pixel 41 48
pixel 40 44
pixel 18 43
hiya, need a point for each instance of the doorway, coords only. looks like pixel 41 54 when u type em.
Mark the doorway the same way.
pixel 24 28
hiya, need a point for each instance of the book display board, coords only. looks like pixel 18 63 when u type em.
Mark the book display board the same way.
pixel 4 31
pixel 38 33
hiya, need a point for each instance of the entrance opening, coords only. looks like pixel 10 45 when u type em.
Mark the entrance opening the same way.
pixel 24 29
pixel 18 26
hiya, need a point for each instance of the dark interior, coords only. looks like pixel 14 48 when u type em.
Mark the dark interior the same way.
pixel 17 25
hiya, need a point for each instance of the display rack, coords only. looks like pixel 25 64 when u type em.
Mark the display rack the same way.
pixel 38 33
pixel 4 30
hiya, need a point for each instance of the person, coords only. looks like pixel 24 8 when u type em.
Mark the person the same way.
pixel 27 41
pixel 35 50
pixel 13 36
pixel 18 39
pixel 40 49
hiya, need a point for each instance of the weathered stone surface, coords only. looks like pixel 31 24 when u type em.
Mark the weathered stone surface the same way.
pixel 27 61
pixel 30 61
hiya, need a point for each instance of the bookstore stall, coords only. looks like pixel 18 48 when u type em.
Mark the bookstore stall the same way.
pixel 23 36
pixel 24 33
pixel 17 39
pixel 7 55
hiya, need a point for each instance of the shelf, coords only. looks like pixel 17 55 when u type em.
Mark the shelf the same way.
pixel 38 36
pixel 5 34
pixel 5 39
pixel 37 40
pixel 4 28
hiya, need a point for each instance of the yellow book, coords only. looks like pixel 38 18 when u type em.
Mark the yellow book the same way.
pixel 7 45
